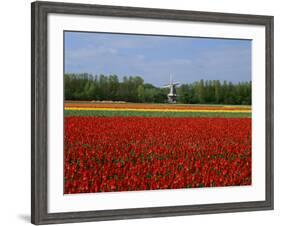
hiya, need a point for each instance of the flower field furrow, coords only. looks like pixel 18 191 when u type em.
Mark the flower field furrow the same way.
pixel 143 106
pixel 157 110
pixel 137 153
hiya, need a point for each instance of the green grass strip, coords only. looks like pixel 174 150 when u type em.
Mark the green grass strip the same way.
pixel 157 114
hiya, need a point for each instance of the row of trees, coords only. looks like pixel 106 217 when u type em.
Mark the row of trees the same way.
pixel 133 89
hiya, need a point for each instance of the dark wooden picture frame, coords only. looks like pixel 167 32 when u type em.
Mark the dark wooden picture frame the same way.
pixel 39 191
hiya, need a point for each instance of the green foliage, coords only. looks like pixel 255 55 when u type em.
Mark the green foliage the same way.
pixel 213 92
pixel 133 89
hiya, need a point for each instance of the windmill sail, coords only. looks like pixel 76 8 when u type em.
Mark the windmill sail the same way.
pixel 172 95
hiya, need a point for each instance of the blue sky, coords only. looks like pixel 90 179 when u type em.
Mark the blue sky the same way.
pixel 154 58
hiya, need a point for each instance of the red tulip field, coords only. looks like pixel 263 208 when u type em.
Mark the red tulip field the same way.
pixel 136 152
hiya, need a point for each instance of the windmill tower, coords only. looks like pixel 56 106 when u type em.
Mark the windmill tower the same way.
pixel 172 95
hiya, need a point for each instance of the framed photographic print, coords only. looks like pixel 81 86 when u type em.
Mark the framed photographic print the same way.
pixel 140 112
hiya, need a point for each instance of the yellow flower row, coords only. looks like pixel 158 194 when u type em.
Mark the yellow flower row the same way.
pixel 156 110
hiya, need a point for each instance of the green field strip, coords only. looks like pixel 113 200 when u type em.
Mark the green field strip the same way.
pixel 157 114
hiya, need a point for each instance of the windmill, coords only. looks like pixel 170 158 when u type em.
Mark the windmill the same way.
pixel 172 95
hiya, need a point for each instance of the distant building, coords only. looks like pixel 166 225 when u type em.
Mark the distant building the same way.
pixel 172 95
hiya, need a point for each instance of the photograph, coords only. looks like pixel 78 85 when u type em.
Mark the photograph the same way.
pixel 150 112
pixel 140 112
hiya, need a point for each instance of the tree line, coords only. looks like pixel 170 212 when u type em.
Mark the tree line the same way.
pixel 134 89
